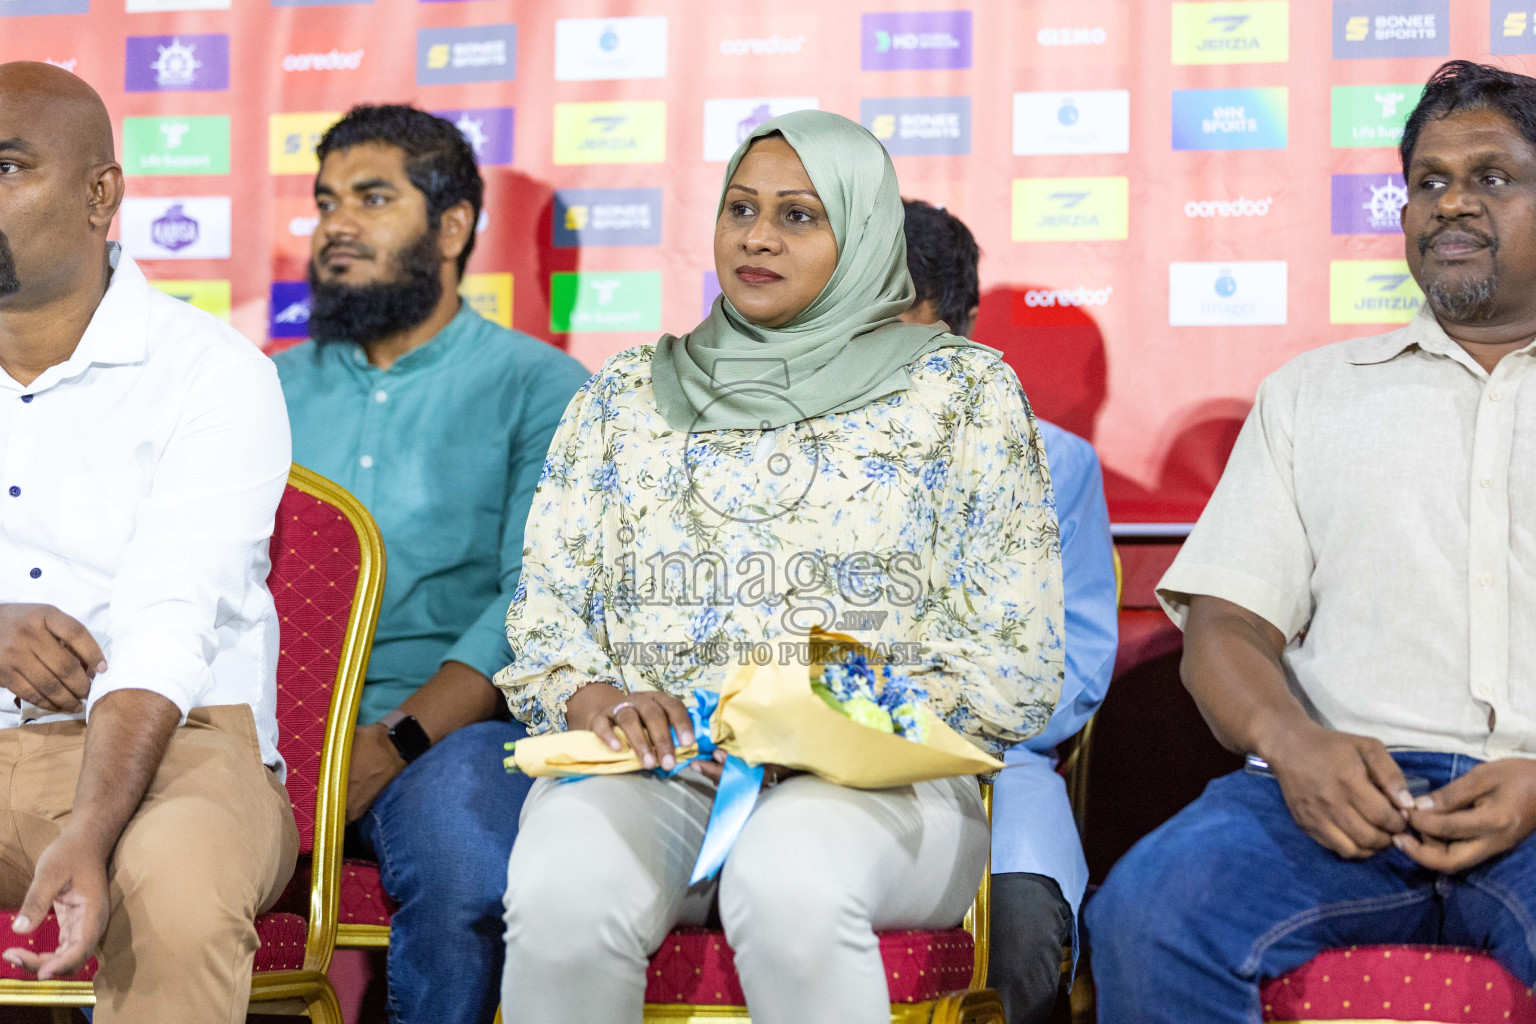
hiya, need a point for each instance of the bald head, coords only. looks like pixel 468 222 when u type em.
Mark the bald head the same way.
pixel 59 188
pixel 49 99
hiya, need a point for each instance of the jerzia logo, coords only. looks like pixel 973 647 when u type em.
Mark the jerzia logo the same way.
pixel 1062 209
pixel 633 132
pixel 1256 32
pixel 1371 292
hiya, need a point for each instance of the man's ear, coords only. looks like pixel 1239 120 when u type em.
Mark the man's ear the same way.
pixel 456 228
pixel 106 195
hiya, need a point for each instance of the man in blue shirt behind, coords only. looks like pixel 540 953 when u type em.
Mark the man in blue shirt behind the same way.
pixel 438 421
pixel 1038 870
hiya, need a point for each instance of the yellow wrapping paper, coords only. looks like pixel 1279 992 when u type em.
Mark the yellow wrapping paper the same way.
pixel 768 714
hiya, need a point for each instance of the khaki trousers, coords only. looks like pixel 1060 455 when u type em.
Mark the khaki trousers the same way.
pixel 600 870
pixel 212 845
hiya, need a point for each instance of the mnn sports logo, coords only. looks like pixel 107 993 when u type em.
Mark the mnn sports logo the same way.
pixel 1070 209
pixel 617 301
pixel 291 141
pixel 1256 32
pixel 633 132
pixel 1371 292
pixel 1206 119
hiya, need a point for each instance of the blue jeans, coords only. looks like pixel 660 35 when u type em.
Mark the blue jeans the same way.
pixel 442 832
pixel 1231 891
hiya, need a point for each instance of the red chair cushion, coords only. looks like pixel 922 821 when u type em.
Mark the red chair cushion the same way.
pixel 1417 983
pixel 315 558
pixel 697 966
pixel 281 935
pixel 363 899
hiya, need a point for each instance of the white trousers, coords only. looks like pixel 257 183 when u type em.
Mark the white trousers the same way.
pixel 599 875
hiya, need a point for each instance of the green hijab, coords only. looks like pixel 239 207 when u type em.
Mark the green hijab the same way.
pixel 848 347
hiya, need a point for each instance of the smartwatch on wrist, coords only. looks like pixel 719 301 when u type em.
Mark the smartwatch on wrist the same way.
pixel 409 738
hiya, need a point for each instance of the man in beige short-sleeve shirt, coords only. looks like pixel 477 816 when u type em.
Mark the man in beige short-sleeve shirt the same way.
pixel 1359 608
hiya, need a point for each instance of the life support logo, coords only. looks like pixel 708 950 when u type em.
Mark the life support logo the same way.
pixel 614 301
pixel 175 145
pixel 1371 115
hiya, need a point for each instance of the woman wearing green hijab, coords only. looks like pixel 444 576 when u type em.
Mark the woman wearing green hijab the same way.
pixel 801 459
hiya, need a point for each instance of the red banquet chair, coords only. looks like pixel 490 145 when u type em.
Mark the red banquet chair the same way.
pixel 1426 984
pixel 327 578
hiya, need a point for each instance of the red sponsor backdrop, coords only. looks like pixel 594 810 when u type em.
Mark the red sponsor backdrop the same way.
pixel 1161 402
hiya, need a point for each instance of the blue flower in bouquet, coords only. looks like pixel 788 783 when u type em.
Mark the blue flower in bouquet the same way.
pixel 606 477
pixel 887 700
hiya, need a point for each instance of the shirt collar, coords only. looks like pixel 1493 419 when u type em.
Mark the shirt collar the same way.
pixel 118 332
pixel 419 358
pixel 1423 332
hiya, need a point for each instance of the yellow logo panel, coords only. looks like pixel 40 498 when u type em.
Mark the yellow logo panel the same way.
pixel 292 139
pixel 1357 28
pixel 490 295
pixel 1256 32
pixel 209 296
pixel 1070 209
pixel 1371 292
pixel 632 132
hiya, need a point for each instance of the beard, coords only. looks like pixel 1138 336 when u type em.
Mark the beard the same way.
pixel 364 314
pixel 10 284
pixel 1465 302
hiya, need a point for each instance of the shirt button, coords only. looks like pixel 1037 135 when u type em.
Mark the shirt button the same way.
pixel 1487 579
pixel 15 491
pixel 35 573
pixel 381 396
pixel 1495 396
pixel 26 398
pixel 1485 482
pixel 366 462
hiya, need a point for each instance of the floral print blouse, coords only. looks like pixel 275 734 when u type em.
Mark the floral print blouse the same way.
pixel 921 524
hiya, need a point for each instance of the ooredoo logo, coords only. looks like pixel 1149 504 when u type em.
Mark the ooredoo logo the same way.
pixel 764 47
pixel 335 60
pixel 1047 298
pixel 1242 206
pixel 1076 36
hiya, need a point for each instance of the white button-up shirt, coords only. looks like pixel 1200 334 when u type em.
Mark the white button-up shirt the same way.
pixel 138 484
pixel 1382 499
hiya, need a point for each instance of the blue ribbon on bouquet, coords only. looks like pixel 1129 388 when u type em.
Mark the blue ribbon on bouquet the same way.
pixel 736 796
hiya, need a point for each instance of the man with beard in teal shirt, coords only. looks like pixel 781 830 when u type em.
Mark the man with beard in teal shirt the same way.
pixel 438 421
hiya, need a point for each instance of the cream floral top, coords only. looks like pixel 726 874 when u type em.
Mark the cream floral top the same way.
pixel 922 524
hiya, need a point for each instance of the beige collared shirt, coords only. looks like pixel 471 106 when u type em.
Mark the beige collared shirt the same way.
pixel 1380 510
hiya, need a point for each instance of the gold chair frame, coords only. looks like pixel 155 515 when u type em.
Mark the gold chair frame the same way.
pixel 306 991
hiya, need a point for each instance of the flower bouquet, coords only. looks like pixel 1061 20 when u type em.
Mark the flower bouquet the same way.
pixel 848 718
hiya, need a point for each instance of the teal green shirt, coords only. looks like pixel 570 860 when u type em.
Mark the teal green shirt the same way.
pixel 444 448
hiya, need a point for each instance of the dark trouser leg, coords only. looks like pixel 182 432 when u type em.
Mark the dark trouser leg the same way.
pixel 1230 891
pixel 1031 921
pixel 442 832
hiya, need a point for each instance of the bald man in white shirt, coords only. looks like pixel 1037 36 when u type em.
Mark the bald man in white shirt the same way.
pixel 143 450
